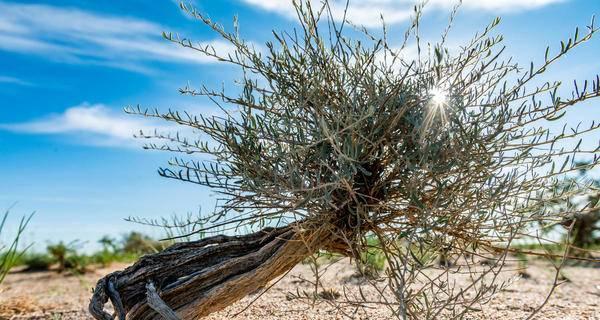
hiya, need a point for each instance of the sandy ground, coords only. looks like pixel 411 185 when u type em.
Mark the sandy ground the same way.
pixel 47 295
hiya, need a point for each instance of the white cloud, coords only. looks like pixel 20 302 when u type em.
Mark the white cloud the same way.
pixel 77 36
pixel 502 5
pixel 93 124
pixel 367 12
pixel 12 80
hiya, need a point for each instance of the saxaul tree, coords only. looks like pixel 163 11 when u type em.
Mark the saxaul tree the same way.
pixel 335 137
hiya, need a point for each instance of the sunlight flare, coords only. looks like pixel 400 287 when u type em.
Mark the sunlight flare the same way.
pixel 439 97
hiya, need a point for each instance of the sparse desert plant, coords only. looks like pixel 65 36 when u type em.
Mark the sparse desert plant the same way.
pixel 59 252
pixel 77 263
pixel 109 244
pixel 336 137
pixel 108 254
pixel 37 262
pixel 67 258
pixel 139 244
pixel 130 248
pixel 104 257
pixel 10 254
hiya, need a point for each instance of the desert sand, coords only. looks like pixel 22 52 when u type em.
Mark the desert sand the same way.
pixel 48 295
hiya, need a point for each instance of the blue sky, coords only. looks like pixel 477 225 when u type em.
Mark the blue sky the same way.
pixel 67 68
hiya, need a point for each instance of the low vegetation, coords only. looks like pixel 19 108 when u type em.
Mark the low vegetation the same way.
pixel 36 262
pixel 67 258
pixel 372 260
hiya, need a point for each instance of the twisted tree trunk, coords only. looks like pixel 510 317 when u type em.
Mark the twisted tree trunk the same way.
pixel 194 279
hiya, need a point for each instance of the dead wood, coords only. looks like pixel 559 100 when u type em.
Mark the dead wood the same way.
pixel 197 278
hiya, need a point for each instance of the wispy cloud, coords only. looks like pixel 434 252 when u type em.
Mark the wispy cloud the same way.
pixel 77 36
pixel 368 12
pixel 498 5
pixel 93 124
pixel 15 81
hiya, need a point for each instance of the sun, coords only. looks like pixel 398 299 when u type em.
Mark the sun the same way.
pixel 436 111
pixel 439 97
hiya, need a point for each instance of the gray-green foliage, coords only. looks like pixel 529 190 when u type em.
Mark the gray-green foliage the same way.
pixel 332 129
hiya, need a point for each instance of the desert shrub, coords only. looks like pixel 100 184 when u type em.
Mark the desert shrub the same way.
pixel 77 263
pixel 104 258
pixel 37 262
pixel 138 243
pixel 67 258
pixel 59 252
pixel 127 250
pixel 10 254
pixel 335 134
pixel 109 244
pixel 110 252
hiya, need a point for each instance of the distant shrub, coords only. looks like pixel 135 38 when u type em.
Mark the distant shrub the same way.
pixel 76 263
pixel 37 262
pixel 128 249
pixel 372 260
pixel 103 258
pixel 59 253
pixel 138 243
pixel 109 244
pixel 67 258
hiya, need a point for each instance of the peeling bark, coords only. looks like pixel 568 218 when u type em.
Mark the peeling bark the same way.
pixel 197 278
